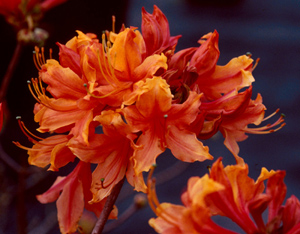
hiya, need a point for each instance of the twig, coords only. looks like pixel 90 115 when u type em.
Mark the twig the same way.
pixel 108 207
pixel 140 201
pixel 9 161
pixel 9 72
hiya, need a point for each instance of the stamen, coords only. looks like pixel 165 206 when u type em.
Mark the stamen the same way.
pixel 269 128
pixel 162 141
pixel 41 97
pixel 39 58
pixel 24 147
pixel 35 61
pixel 43 55
pixel 26 131
pixel 107 34
pixel 249 54
pixel 50 53
pixel 256 63
pixel 103 96
pixel 209 168
pixel 271 115
pixel 102 183
pixel 113 23
pixel 154 202
pixel 108 68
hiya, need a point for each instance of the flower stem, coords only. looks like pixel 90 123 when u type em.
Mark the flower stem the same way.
pixel 11 68
pixel 99 226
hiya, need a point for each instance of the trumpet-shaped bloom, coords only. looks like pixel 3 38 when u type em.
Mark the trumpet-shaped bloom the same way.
pixel 51 151
pixel 73 194
pixel 88 78
pixel 229 192
pixel 156 33
pixel 163 125
pixel 199 70
pixel 223 107
pixel 112 152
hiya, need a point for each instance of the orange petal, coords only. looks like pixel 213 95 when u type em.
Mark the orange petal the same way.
pixel 63 82
pixel 185 146
pixel 70 206
pixel 125 54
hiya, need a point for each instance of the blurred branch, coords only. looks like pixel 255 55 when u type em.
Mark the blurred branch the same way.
pixel 10 70
pixel 9 161
pixel 140 201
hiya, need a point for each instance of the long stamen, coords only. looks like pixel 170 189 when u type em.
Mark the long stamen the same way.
pixel 38 92
pixel 101 69
pixel 24 147
pixel 106 52
pixel 256 63
pixel 154 202
pixel 109 69
pixel 29 136
pixel 35 61
pixel 113 23
pixel 39 57
pixel 269 128
pixel 25 130
pixel 31 91
pixel 111 78
pixel 163 143
pixel 271 115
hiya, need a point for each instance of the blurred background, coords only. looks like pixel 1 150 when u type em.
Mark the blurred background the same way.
pixel 269 29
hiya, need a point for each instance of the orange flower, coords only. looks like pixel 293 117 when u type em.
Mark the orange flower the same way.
pixel 156 33
pixel 52 150
pixel 73 195
pixel 199 70
pixel 112 152
pixel 108 77
pixel 229 192
pixel 163 124
pixel 231 114
pixel 223 107
pixel 234 127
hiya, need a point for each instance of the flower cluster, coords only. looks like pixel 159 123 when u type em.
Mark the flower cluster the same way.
pixel 122 100
pixel 232 193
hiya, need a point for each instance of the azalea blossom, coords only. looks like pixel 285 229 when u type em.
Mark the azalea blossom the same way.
pixel 223 106
pixel 228 192
pixel 120 100
pixel 72 195
pixel 163 124
pixel 156 33
pixel 113 152
pixel 99 79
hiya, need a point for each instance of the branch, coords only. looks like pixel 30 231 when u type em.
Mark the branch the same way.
pixel 108 207
pixel 11 67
